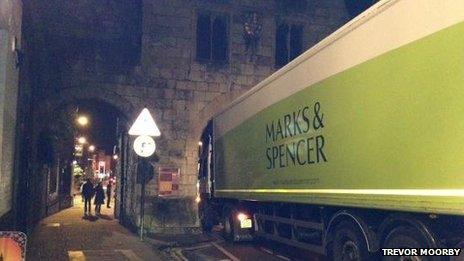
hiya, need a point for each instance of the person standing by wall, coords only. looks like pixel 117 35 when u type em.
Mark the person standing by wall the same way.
pixel 109 187
pixel 99 198
pixel 87 194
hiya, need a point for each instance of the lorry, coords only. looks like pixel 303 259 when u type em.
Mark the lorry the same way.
pixel 355 146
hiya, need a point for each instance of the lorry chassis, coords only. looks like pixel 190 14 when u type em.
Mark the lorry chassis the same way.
pixel 333 231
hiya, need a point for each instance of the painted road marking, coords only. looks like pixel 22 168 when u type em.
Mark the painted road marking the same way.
pixel 274 254
pixel 79 255
pixel 180 256
pixel 76 256
pixel 129 254
pixel 267 250
pixel 283 257
pixel 225 252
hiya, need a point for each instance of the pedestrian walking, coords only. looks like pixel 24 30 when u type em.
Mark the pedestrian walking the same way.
pixel 99 198
pixel 87 194
pixel 108 193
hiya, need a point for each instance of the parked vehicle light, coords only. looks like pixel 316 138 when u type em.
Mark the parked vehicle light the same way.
pixel 242 216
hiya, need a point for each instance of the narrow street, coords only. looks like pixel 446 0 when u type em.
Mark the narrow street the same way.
pixel 68 236
pixel 232 130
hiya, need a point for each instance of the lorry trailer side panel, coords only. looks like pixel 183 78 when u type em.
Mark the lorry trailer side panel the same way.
pixel 385 133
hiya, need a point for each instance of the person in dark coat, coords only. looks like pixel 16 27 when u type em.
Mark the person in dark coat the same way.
pixel 87 194
pixel 108 193
pixel 99 198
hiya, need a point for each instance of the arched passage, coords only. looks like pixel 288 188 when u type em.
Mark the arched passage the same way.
pixel 109 114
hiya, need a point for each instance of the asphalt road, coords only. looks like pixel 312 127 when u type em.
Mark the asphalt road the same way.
pixel 219 249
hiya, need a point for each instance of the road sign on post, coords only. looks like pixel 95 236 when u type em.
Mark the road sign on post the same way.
pixel 144 127
pixel 144 146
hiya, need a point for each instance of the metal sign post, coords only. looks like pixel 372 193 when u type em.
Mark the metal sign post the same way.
pixel 144 127
pixel 143 174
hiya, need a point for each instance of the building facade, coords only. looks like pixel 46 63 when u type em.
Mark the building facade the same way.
pixel 10 42
pixel 182 59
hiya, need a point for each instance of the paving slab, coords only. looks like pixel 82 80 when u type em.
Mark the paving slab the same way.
pixel 69 235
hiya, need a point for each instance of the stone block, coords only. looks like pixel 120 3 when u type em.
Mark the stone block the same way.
pixel 201 86
pixel 185 85
pixel 171 212
pixel 171 84
pixel 197 76
pixel 224 87
pixel 166 73
pixel 184 94
pixel 199 96
pixel 213 87
pixel 169 94
pixel 179 74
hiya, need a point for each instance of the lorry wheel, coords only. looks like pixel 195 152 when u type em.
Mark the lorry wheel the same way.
pixel 229 229
pixel 206 213
pixel 349 243
pixel 407 237
pixel 206 224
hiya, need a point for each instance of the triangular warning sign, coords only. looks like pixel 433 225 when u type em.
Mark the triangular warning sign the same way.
pixel 144 125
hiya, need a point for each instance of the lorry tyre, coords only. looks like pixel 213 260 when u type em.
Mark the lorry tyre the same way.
pixel 205 217
pixel 349 243
pixel 229 227
pixel 206 224
pixel 407 237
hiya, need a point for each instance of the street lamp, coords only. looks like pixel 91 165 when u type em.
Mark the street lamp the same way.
pixel 82 140
pixel 83 120
pixel 115 157
pixel 91 148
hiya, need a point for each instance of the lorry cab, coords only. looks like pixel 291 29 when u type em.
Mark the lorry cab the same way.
pixel 205 163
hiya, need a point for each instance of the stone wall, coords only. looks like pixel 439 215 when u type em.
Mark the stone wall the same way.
pixel 181 92
pixel 10 39
pixel 191 91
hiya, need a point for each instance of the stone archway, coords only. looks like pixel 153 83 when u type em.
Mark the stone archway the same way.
pixel 215 106
pixel 105 94
pixel 55 104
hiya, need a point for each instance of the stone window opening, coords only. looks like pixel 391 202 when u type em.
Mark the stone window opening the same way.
pixel 289 42
pixel 212 37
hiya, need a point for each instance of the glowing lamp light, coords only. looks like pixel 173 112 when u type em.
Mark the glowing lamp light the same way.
pixel 91 148
pixel 198 199
pixel 82 120
pixel 82 140
pixel 74 162
pixel 200 143
pixel 242 216
pixel 115 157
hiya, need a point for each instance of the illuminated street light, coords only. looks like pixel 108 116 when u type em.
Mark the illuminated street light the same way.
pixel 115 157
pixel 82 120
pixel 82 140
pixel 91 148
pixel 74 162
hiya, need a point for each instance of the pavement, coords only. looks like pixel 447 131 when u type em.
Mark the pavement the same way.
pixel 68 235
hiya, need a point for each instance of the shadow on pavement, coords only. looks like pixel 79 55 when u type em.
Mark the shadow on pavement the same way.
pixel 106 217
pixel 90 218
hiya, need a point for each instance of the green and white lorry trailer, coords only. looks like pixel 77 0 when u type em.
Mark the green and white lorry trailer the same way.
pixel 354 146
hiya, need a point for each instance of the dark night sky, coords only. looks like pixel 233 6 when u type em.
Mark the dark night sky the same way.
pixel 101 131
